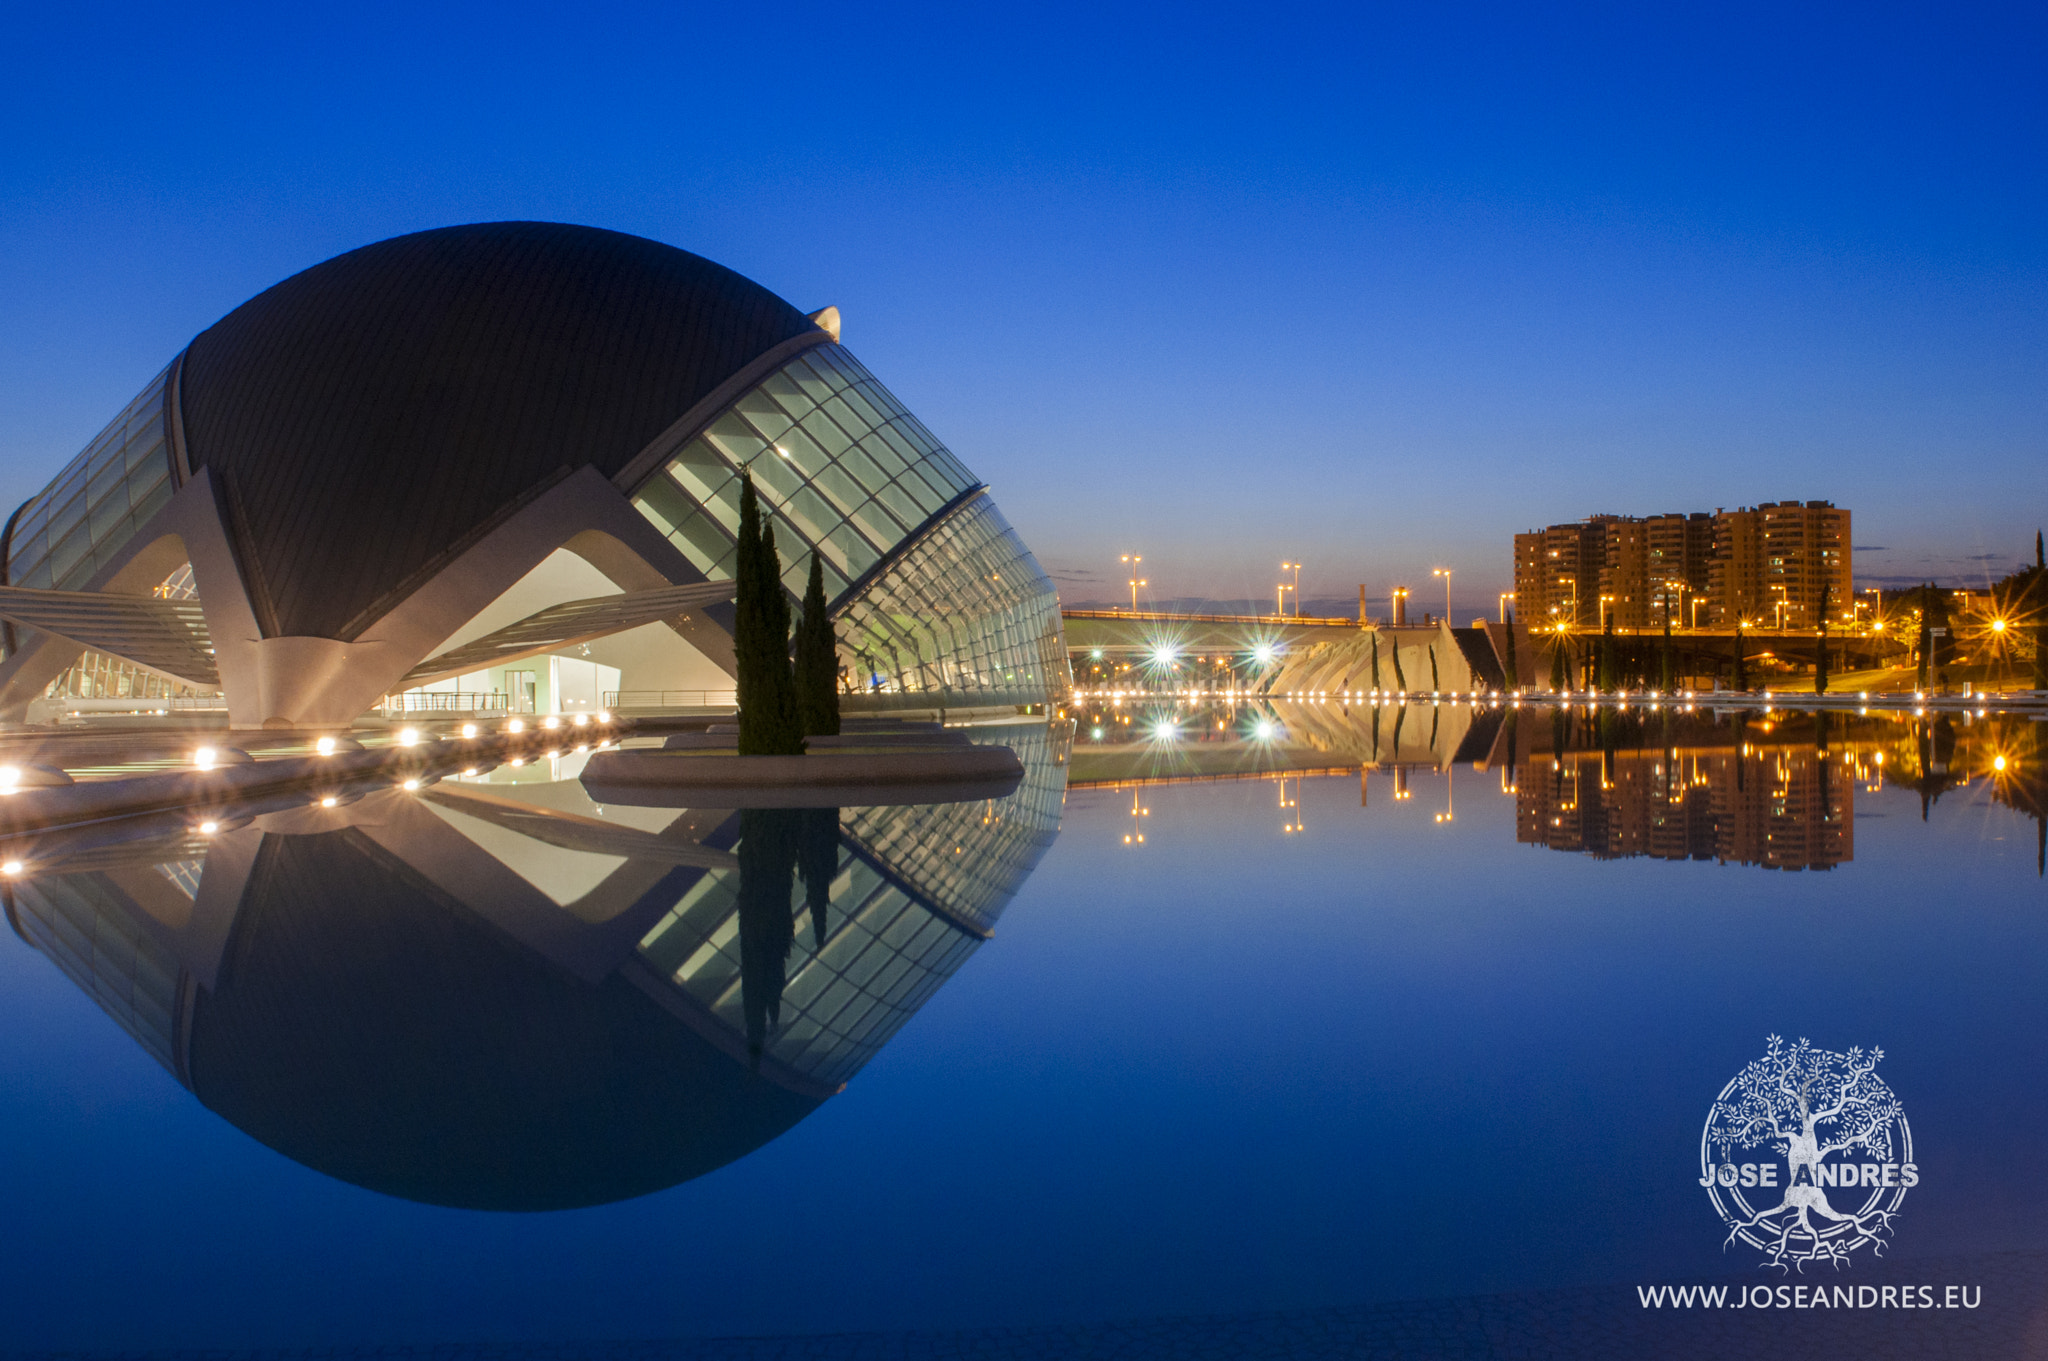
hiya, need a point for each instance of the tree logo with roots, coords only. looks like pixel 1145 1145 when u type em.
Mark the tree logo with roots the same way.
pixel 1792 1127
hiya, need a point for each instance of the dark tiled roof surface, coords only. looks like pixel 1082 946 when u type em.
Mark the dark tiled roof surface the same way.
pixel 408 393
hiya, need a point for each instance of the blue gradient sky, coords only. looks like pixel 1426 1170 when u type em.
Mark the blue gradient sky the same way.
pixel 1371 288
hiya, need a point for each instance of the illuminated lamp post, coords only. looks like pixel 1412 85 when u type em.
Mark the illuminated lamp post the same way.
pixel 1132 560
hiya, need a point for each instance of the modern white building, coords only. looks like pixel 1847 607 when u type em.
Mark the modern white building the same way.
pixel 498 466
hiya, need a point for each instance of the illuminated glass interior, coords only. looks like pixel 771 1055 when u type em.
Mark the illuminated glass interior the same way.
pixel 963 617
pixel 840 466
pixel 101 676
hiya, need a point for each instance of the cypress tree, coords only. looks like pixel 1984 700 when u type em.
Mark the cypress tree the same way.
pixel 1514 677
pixel 1434 682
pixel 767 687
pixel 1664 657
pixel 1400 680
pixel 1560 673
pixel 1820 664
pixel 817 863
pixel 1375 659
pixel 1925 671
pixel 817 661
pixel 767 856
pixel 2037 604
pixel 1608 677
pixel 1740 681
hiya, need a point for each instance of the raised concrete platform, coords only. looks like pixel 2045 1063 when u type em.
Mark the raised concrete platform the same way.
pixel 39 805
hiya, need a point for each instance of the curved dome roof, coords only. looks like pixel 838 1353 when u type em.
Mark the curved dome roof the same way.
pixel 372 1030
pixel 409 393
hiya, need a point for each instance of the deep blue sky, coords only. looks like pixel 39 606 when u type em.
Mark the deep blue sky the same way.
pixel 1369 287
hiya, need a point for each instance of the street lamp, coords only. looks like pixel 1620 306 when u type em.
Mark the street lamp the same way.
pixel 1505 597
pixel 1280 591
pixel 1445 573
pixel 1603 612
pixel 1395 605
pixel 1132 560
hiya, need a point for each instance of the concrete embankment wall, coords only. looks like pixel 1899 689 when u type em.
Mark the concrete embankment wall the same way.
pixel 1411 659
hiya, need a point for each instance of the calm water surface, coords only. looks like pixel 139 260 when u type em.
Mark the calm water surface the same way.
pixel 1238 1042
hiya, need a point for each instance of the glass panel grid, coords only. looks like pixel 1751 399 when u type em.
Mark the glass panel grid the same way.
pixel 83 923
pixel 885 951
pixel 97 675
pixel 964 618
pixel 90 510
pixel 970 858
pixel 842 469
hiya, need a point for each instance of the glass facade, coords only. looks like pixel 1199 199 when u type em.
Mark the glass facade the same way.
pixel 962 615
pixel 970 858
pixel 839 464
pixel 87 927
pixel 97 675
pixel 916 889
pixel 884 956
pixel 70 530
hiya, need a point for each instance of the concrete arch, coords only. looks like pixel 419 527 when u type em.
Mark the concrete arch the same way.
pixel 137 569
pixel 284 682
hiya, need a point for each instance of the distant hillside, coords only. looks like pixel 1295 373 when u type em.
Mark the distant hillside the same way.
pixel 1340 607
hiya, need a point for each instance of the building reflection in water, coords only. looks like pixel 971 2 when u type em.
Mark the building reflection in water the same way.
pixel 1782 807
pixel 1770 788
pixel 492 993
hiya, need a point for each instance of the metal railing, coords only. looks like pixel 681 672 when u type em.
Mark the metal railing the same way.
pixel 671 699
pixel 1313 620
pixel 138 704
pixel 446 701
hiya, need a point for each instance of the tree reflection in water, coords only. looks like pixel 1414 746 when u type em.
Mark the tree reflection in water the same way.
pixel 779 846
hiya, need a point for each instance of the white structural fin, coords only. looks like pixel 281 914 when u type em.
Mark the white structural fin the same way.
pixel 827 320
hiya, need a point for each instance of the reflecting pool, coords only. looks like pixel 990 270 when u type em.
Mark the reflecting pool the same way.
pixel 1302 1008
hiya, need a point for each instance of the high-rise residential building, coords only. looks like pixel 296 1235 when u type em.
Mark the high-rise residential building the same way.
pixel 1680 549
pixel 1774 563
pixel 1767 566
pixel 1557 574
